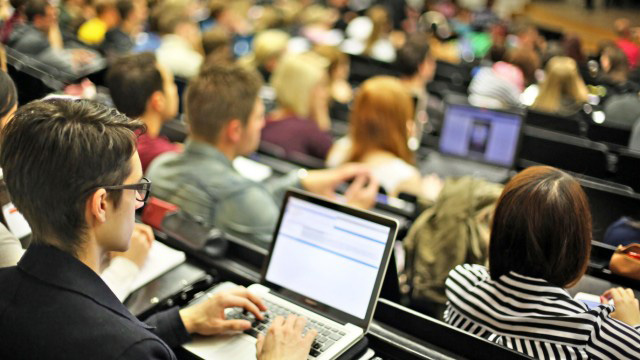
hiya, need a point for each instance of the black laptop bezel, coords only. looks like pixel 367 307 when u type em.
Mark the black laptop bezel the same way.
pixel 314 305
pixel 462 101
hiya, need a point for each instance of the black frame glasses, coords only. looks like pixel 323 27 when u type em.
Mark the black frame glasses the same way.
pixel 142 189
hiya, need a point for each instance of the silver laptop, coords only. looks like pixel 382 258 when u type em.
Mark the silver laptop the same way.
pixel 327 263
pixel 476 141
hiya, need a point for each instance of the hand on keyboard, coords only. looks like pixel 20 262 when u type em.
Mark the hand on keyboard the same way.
pixel 327 335
pixel 208 318
pixel 284 340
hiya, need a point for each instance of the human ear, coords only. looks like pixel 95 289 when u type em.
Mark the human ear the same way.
pixel 97 205
pixel 157 101
pixel 234 130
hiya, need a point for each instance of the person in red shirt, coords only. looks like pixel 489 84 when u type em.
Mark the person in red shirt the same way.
pixel 626 42
pixel 142 88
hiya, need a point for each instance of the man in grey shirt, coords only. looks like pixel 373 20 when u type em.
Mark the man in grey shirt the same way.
pixel 225 117
pixel 40 38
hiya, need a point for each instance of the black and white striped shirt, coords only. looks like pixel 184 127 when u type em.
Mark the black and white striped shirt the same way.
pixel 536 318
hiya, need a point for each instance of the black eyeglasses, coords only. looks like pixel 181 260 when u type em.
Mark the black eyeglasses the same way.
pixel 142 189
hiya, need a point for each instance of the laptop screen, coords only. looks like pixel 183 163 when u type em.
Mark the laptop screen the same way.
pixel 479 134
pixel 330 256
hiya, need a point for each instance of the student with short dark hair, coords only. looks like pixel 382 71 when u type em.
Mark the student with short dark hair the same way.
pixel 225 116
pixel 71 167
pixel 39 37
pixel 417 67
pixel 540 244
pixel 142 88
pixel 414 58
pixel 121 39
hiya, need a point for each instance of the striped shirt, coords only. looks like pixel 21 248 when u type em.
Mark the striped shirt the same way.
pixel 536 318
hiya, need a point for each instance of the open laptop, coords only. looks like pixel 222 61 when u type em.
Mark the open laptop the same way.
pixel 327 263
pixel 476 141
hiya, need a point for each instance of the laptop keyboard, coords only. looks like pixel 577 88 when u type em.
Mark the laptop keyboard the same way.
pixel 327 335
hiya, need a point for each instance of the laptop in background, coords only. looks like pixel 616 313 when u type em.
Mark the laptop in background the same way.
pixel 476 141
pixel 327 263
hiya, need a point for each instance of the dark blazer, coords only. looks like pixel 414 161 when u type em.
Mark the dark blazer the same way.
pixel 52 306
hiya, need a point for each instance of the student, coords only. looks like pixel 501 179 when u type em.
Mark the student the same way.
pixel 563 91
pixel 16 19
pixel 225 116
pixel 10 248
pixel 142 88
pixel 625 41
pixel 179 49
pixel 500 85
pixel 417 67
pixel 121 39
pixel 301 122
pixel 268 48
pixel 338 71
pixel 540 244
pixel 615 69
pixel 93 31
pixel 369 35
pixel 53 304
pixel 40 38
pixel 216 44
pixel 379 130
pixel 123 267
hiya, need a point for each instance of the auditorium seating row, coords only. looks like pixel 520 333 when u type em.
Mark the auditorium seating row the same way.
pixel 397 332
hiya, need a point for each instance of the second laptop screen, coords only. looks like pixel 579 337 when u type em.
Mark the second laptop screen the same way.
pixel 480 134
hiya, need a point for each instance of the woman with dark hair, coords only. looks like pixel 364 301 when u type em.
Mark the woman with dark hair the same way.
pixel 615 68
pixel 540 244
pixel 573 48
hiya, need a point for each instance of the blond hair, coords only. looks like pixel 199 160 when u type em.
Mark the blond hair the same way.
pixel 269 44
pixel 381 110
pixel 333 55
pixel 380 20
pixel 294 79
pixel 562 81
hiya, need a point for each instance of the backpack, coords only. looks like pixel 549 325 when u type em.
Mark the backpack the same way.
pixel 454 231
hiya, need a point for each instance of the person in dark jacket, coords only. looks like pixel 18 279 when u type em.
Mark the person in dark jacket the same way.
pixel 72 169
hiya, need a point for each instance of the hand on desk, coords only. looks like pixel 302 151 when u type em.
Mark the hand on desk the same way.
pixel 284 340
pixel 627 307
pixel 141 241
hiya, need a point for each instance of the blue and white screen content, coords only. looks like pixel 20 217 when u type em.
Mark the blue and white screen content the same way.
pixel 327 256
pixel 480 134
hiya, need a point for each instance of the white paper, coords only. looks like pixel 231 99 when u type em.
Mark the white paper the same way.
pixel 161 259
pixel 251 169
pixel 16 223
